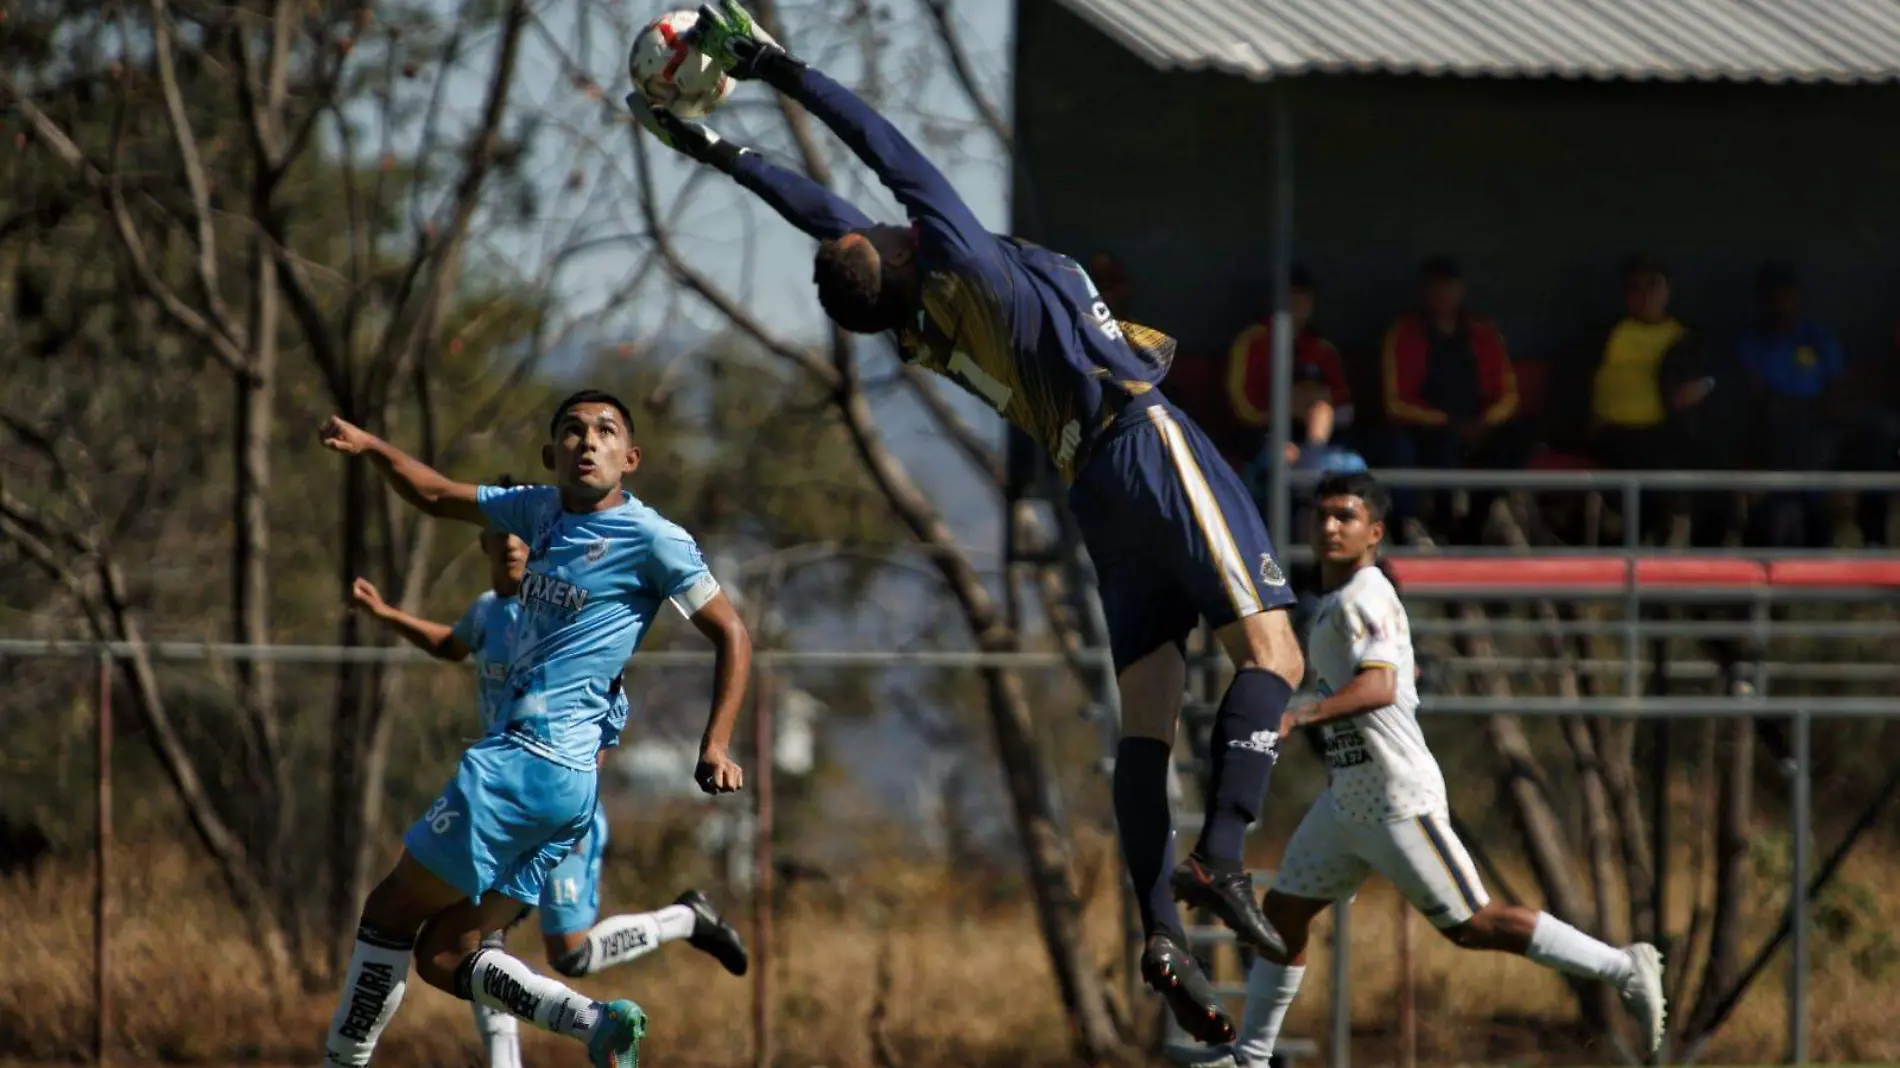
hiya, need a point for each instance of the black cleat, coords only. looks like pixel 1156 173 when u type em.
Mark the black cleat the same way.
pixel 1172 973
pixel 1229 896
pixel 712 935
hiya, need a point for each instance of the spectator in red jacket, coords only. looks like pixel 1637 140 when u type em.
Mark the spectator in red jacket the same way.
pixel 1316 364
pixel 1447 379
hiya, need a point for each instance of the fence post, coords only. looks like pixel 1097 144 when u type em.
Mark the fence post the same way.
pixel 1408 987
pixel 102 865
pixel 1342 984
pixel 1802 818
pixel 1632 594
pixel 762 882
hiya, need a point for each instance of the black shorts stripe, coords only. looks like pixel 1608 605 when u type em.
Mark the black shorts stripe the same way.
pixel 382 941
pixel 1439 846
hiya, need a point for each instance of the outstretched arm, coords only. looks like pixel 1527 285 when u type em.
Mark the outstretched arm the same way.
pixel 414 481
pixel 729 36
pixel 437 639
pixel 804 203
pixel 918 185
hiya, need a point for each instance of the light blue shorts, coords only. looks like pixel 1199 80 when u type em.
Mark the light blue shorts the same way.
pixel 504 821
pixel 571 899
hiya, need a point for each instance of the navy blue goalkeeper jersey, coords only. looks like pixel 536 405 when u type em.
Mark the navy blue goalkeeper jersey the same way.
pixel 1020 327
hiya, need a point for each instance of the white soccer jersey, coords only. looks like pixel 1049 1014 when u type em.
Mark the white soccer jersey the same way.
pixel 1378 766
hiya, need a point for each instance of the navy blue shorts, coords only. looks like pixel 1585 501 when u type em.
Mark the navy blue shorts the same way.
pixel 1172 532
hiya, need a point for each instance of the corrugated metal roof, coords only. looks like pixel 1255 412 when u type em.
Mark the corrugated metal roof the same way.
pixel 1705 40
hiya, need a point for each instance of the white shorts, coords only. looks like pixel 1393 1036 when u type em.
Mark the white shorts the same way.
pixel 1331 855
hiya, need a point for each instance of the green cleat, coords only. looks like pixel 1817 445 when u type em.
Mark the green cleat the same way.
pixel 615 1042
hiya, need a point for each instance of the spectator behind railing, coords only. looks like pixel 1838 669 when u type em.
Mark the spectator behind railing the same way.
pixel 1316 362
pixel 1449 389
pixel 1650 373
pixel 1796 369
pixel 1653 396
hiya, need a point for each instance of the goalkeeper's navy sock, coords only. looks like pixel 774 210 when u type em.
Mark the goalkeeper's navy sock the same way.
pixel 1141 811
pixel 1241 756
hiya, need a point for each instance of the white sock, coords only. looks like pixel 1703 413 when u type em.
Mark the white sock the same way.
pixel 619 939
pixel 372 988
pixel 500 981
pixel 500 1036
pixel 1270 991
pixel 1557 945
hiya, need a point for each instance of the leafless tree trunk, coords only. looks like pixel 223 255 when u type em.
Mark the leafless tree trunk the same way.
pixel 1735 766
pixel 86 570
pixel 1528 797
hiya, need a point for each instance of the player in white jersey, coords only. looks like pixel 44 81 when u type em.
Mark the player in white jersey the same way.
pixel 1384 808
pixel 575 943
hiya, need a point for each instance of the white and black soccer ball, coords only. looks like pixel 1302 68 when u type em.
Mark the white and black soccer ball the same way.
pixel 671 73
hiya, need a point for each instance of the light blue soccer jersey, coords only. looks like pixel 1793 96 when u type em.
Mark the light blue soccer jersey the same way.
pixel 488 629
pixel 593 585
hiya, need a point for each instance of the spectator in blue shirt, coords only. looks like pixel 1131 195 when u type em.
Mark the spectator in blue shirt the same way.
pixel 1795 367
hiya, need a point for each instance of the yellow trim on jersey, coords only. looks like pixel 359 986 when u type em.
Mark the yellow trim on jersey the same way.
pixel 1207 515
pixel 1368 664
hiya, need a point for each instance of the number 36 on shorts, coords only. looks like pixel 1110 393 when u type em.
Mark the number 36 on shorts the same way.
pixel 440 816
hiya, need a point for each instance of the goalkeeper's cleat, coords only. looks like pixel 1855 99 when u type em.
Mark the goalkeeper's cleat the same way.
pixel 1642 993
pixel 712 935
pixel 615 1042
pixel 1230 896
pixel 1172 973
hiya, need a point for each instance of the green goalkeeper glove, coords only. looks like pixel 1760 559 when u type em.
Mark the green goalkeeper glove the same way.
pixel 734 41
pixel 694 140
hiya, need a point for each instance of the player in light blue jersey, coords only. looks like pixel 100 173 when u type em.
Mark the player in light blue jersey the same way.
pixel 575 943
pixel 600 564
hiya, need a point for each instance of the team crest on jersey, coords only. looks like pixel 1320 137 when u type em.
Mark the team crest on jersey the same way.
pixel 1270 572
pixel 596 551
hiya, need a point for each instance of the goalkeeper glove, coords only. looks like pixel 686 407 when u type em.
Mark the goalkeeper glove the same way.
pixel 736 43
pixel 694 140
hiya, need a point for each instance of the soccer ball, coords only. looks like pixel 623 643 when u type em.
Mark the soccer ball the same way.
pixel 670 72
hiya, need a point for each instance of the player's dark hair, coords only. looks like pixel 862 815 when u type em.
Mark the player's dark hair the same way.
pixel 1358 484
pixel 590 396
pixel 851 289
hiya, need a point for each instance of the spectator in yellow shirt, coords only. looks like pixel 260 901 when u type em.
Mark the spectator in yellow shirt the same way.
pixel 1646 377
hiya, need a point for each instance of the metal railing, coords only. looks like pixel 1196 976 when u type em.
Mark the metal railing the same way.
pixel 1630 702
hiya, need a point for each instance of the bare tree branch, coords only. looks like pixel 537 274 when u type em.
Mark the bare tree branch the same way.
pixel 186 143
pixel 961 434
pixel 944 20
pixel 48 133
pixel 400 348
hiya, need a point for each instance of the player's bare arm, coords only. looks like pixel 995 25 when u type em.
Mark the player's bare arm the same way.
pixel 1375 686
pixel 717 772
pixel 422 486
pixel 436 639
